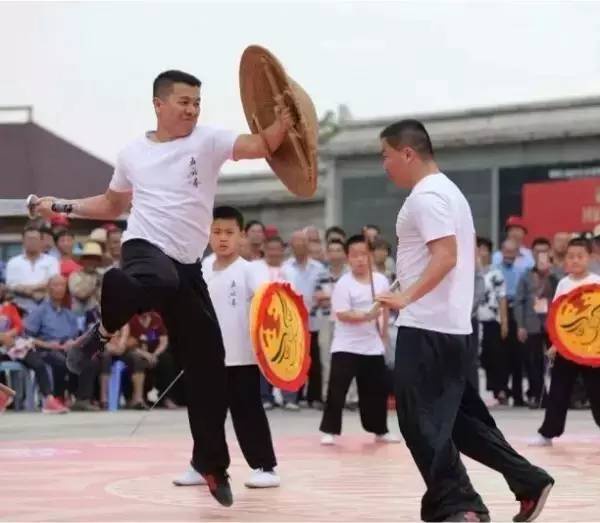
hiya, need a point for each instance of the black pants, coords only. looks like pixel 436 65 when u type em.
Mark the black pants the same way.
pixel 33 360
pixel 248 416
pixel 370 374
pixel 493 358
pixel 150 280
pixel 314 388
pixel 564 374
pixel 440 415
pixel 162 375
pixel 535 347
pixel 515 361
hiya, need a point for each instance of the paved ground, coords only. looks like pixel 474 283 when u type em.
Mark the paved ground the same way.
pixel 85 467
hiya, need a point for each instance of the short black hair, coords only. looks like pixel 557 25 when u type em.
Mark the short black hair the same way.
pixel 275 239
pixel 356 238
pixel 540 241
pixel 335 229
pixel 31 228
pixel 485 241
pixel 410 133
pixel 252 223
pixel 580 241
pixel 225 212
pixel 58 234
pixel 165 80
pixel 336 241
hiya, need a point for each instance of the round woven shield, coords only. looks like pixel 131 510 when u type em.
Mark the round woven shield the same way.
pixel 280 335
pixel 264 85
pixel 574 325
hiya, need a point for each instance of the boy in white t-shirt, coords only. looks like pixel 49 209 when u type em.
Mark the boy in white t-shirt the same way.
pixel 231 282
pixel 564 371
pixel 357 349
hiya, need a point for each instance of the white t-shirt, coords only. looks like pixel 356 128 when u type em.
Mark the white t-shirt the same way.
pixel 350 294
pixel 174 185
pixel 436 208
pixel 567 284
pixel 21 271
pixel 231 291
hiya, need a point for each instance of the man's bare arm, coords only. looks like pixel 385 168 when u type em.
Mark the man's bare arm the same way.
pixel 253 146
pixel 107 206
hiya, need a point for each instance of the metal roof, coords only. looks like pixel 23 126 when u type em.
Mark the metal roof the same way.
pixel 566 118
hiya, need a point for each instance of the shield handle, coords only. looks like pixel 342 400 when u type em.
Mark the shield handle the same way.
pixel 280 102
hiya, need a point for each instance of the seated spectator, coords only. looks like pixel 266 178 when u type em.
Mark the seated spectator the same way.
pixel 16 348
pixel 118 348
pixel 27 274
pixel 147 333
pixel 65 242
pixel 54 330
pixel 84 285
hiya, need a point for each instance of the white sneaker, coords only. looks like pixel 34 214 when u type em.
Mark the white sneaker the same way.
pixel 189 478
pixel 261 479
pixel 388 437
pixel 540 441
pixel 291 406
pixel 328 439
pixel 267 405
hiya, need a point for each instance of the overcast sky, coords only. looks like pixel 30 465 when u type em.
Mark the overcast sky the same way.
pixel 87 68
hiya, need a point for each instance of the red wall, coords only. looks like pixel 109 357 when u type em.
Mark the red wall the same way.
pixel 564 206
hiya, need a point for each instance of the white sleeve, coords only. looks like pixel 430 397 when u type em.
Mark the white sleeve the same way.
pixel 120 179
pixel 223 142
pixel 256 275
pixel 381 283
pixel 11 274
pixel 340 298
pixel 53 267
pixel 560 289
pixel 433 216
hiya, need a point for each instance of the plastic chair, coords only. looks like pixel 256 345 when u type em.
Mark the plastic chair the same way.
pixel 114 385
pixel 18 379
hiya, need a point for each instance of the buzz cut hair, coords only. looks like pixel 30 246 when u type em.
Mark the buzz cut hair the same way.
pixel 163 83
pixel 409 133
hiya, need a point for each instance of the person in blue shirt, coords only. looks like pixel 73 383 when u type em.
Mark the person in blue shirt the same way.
pixel 512 356
pixel 516 231
pixel 54 330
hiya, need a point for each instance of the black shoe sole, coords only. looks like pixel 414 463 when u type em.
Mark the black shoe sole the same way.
pixel 82 352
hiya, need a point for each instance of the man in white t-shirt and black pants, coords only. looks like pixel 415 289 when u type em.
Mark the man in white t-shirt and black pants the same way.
pixel 169 177
pixel 439 411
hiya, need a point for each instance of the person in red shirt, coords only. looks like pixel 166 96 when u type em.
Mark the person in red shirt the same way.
pixel 148 334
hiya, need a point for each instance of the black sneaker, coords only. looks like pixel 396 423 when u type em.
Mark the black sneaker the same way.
pixel 218 484
pixel 531 508
pixel 90 344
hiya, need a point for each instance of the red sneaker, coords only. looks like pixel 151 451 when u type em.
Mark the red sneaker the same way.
pixel 53 406
pixel 6 397
pixel 531 508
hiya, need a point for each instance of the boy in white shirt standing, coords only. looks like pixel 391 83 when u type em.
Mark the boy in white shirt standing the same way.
pixel 564 371
pixel 357 348
pixel 231 282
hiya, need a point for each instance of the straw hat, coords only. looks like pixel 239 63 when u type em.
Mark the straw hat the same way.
pixel 91 248
pixel 265 87
pixel 98 235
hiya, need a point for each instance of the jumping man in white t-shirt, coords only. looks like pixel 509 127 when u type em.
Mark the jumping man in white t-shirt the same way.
pixel 357 348
pixel 232 282
pixel 439 411
pixel 169 178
